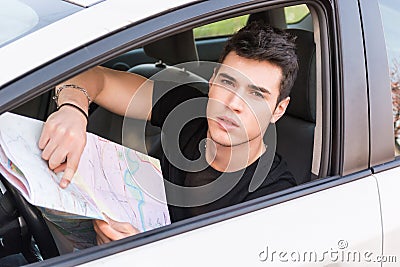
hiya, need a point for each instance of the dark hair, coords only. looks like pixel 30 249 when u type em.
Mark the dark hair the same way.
pixel 265 43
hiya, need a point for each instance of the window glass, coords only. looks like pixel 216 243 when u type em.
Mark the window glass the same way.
pixel 294 14
pixel 221 28
pixel 16 18
pixel 390 12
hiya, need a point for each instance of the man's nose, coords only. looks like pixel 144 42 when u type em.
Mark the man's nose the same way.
pixel 235 102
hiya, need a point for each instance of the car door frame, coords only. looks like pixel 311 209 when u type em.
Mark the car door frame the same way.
pixel 384 164
pixel 345 83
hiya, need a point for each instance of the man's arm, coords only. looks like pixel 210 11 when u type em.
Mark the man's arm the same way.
pixel 64 133
pixel 116 90
pixel 111 89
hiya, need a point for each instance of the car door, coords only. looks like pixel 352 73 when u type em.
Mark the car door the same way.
pixel 383 50
pixel 332 220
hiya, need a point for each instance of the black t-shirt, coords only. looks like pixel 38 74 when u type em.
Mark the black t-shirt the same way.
pixel 180 112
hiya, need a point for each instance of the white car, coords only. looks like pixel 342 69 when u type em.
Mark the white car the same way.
pixel 339 136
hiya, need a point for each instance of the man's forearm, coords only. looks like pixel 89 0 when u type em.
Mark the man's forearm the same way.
pixel 113 90
pixel 81 89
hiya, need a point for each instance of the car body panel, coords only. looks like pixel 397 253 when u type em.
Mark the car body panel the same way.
pixel 289 227
pixel 389 182
pixel 61 36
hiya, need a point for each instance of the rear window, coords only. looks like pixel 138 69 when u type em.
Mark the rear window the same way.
pixel 390 12
pixel 227 27
pixel 295 14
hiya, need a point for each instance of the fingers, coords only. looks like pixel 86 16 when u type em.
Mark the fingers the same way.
pixel 122 230
pixel 44 137
pixel 62 140
pixel 102 240
pixel 71 167
pixel 100 237
pixel 112 230
pixel 60 168
pixel 54 153
pixel 116 230
pixel 60 161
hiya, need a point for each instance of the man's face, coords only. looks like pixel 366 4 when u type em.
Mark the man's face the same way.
pixel 243 100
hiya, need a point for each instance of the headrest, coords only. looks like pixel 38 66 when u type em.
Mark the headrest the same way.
pixel 302 96
pixel 175 49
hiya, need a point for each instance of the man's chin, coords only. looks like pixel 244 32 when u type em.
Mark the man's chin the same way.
pixel 225 142
pixel 220 141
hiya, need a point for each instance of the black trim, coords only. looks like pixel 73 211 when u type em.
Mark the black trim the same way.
pixel 329 74
pixel 353 99
pixel 386 166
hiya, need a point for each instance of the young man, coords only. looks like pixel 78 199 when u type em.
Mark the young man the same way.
pixel 247 92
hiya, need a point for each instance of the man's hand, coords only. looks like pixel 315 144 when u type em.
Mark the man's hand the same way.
pixel 64 134
pixel 63 140
pixel 112 230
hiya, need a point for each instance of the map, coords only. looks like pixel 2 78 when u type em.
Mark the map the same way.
pixel 122 183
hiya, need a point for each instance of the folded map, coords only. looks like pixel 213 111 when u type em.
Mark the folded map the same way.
pixel 111 179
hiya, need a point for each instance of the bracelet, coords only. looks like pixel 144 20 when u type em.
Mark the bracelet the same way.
pixel 77 107
pixel 83 90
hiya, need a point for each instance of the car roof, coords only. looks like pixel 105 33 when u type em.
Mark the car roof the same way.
pixel 75 30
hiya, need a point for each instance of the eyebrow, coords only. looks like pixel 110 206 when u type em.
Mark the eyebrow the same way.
pixel 259 88
pixel 252 86
pixel 228 76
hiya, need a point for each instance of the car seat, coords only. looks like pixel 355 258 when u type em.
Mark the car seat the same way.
pixel 176 49
pixel 295 130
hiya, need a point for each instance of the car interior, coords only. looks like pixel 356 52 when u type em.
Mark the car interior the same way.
pixel 296 132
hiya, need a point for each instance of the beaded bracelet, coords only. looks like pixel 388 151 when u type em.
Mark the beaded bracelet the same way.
pixel 77 107
pixel 83 90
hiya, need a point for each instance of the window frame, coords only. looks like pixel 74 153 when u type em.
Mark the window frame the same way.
pixel 380 101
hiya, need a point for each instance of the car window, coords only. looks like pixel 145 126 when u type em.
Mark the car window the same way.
pixel 390 12
pixel 18 18
pixel 293 15
pixel 221 28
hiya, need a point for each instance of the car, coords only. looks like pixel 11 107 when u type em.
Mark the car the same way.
pixel 340 135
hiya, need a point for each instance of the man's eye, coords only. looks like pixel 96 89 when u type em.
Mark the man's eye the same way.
pixel 257 93
pixel 227 82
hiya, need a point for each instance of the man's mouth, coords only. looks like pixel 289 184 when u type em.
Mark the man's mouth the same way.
pixel 227 122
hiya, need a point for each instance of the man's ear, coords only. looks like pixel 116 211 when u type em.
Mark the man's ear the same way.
pixel 280 109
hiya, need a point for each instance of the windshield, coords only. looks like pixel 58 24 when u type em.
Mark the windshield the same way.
pixel 19 17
